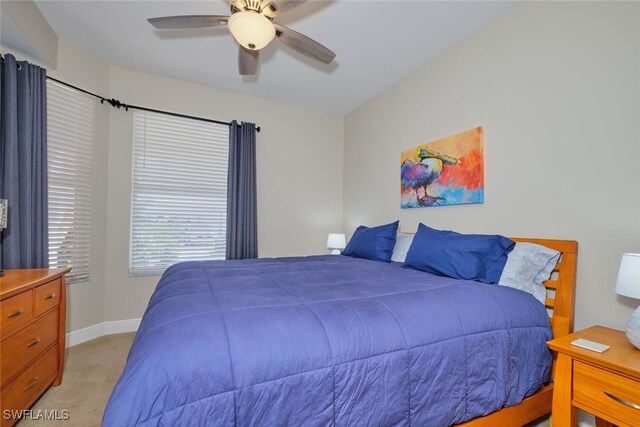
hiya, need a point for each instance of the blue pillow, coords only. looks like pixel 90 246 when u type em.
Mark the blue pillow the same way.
pixel 374 243
pixel 461 256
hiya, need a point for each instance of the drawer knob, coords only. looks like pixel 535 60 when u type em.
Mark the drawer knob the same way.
pixel 624 402
pixel 50 296
pixel 34 342
pixel 33 383
pixel 16 313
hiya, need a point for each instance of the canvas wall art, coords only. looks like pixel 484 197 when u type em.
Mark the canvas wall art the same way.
pixel 449 171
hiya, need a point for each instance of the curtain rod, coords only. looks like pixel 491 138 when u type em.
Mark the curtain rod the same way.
pixel 117 104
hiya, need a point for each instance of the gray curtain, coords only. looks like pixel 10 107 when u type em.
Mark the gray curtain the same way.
pixel 23 164
pixel 242 214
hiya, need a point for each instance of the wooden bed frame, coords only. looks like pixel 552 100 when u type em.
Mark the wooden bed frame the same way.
pixel 560 303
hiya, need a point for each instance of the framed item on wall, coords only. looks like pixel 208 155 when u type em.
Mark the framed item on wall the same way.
pixel 3 214
pixel 449 171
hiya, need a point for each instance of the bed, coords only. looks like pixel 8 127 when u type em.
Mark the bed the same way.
pixel 334 340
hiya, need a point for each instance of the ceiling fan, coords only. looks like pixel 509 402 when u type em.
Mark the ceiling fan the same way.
pixel 251 24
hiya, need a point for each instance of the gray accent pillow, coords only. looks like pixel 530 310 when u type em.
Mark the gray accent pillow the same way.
pixel 403 242
pixel 528 265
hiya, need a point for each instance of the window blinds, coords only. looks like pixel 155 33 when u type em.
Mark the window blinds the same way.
pixel 69 146
pixel 179 197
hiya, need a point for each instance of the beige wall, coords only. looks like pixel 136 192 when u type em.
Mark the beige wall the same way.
pixel 34 27
pixel 557 88
pixel 299 174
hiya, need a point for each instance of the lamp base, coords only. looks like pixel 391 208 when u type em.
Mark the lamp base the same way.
pixel 633 328
pixel 335 252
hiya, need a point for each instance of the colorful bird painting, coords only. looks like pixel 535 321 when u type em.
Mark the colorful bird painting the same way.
pixel 419 176
pixel 448 171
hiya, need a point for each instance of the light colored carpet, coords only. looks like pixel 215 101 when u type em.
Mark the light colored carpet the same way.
pixel 90 373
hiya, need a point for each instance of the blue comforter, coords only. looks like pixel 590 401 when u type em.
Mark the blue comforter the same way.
pixel 327 340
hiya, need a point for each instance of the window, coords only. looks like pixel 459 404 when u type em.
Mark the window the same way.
pixel 179 198
pixel 69 145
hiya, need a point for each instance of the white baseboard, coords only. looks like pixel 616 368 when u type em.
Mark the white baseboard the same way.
pixel 101 329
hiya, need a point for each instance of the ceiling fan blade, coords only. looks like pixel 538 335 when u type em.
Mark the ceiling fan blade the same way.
pixel 303 44
pixel 247 61
pixel 276 7
pixel 188 21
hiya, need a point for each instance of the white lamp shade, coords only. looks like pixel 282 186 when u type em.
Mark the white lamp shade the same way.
pixel 628 283
pixel 336 241
pixel 252 30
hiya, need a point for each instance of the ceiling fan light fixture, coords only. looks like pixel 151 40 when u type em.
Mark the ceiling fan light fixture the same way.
pixel 251 29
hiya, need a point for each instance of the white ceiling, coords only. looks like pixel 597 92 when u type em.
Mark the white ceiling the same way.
pixel 377 43
pixel 15 39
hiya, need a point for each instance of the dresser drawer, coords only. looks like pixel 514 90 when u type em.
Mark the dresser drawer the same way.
pixel 24 346
pixel 15 312
pixel 602 390
pixel 47 296
pixel 27 387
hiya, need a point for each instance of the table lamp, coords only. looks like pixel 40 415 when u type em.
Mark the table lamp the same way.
pixel 628 285
pixel 336 242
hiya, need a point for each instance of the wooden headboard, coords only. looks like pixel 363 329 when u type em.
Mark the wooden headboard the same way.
pixel 560 302
pixel 562 285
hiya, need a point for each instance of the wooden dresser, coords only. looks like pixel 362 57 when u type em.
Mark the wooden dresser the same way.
pixel 32 336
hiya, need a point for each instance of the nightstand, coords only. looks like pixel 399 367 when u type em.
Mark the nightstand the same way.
pixel 606 385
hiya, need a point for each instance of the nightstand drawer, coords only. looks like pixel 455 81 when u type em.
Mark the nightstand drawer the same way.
pixel 607 392
pixel 47 296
